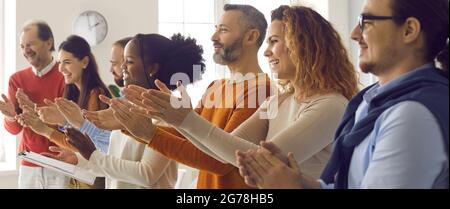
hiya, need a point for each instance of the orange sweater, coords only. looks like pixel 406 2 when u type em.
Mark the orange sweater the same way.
pixel 94 104
pixel 214 174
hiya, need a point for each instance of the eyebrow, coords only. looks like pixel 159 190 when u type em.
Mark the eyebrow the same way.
pixel 221 25
pixel 273 36
pixel 367 14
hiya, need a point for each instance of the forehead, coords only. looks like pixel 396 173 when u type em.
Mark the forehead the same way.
pixel 276 28
pixel 130 48
pixel 30 33
pixel 62 54
pixel 231 18
pixel 377 7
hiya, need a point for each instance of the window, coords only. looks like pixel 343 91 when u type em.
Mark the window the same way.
pixel 7 64
pixel 194 18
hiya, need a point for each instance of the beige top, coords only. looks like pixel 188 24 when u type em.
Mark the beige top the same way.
pixel 131 165
pixel 303 128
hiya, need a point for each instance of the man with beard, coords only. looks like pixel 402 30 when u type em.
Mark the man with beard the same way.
pixel 40 81
pixel 226 103
pixel 116 61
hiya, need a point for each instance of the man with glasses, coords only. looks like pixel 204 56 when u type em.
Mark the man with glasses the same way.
pixel 394 133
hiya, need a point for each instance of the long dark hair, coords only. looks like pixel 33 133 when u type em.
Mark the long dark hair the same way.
pixel 90 79
pixel 176 55
pixel 433 17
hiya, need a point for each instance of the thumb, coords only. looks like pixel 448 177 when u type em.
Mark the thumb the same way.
pixel 161 86
pixel 49 102
pixel 184 95
pixel 105 99
pixel 5 98
pixel 292 162
pixel 36 108
pixel 55 149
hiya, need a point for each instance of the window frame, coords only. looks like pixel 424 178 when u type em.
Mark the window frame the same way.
pixel 8 62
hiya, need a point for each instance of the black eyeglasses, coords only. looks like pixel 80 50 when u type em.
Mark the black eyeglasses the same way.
pixel 362 19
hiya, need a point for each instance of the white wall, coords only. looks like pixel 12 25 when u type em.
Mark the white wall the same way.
pixel 125 18
pixel 354 11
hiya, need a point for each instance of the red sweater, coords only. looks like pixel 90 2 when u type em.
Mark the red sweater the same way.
pixel 50 86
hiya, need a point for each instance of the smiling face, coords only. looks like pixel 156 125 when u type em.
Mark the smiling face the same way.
pixel 228 38
pixel 380 43
pixel 35 51
pixel 277 52
pixel 71 67
pixel 133 67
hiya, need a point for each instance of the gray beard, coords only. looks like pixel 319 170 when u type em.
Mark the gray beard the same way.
pixel 230 54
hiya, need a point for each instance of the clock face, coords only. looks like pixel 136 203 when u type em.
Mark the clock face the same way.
pixel 92 26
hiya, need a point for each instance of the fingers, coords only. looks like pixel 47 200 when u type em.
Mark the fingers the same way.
pixel 105 99
pixel 5 98
pixel 50 155
pixel 65 106
pixel 292 162
pixel 121 112
pixel 271 147
pixel 154 102
pixel 55 149
pixel 253 170
pixel 133 96
pixel 137 88
pixel 91 115
pixel 263 159
pixel 157 94
pixel 162 87
pixel 49 102
pixel 183 91
pixel 140 111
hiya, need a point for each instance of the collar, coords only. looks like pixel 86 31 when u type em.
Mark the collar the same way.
pixel 45 70
pixel 238 78
pixel 377 89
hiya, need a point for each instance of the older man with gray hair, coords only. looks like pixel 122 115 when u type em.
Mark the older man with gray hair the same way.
pixel 40 81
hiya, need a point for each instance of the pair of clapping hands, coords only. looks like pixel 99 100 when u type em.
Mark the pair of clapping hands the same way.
pixel 60 112
pixel 133 113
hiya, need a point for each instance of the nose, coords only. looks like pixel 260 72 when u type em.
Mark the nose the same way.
pixel 356 34
pixel 61 67
pixel 214 37
pixel 268 51
pixel 123 66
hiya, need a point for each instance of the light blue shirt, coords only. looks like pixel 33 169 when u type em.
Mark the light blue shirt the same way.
pixel 405 149
pixel 99 137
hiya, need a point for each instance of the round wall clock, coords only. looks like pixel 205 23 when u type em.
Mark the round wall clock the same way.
pixel 92 26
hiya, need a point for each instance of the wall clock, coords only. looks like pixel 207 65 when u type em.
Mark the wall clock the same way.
pixel 92 26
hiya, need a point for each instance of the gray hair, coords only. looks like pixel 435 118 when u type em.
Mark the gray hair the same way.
pixel 44 31
pixel 253 17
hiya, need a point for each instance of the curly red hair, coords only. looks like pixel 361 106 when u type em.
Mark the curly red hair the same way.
pixel 321 60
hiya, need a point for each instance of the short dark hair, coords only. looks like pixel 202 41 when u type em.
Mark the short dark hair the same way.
pixel 122 42
pixel 433 18
pixel 253 17
pixel 44 31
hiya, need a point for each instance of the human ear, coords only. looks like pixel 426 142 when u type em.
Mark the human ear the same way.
pixel 412 29
pixel 85 62
pixel 251 37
